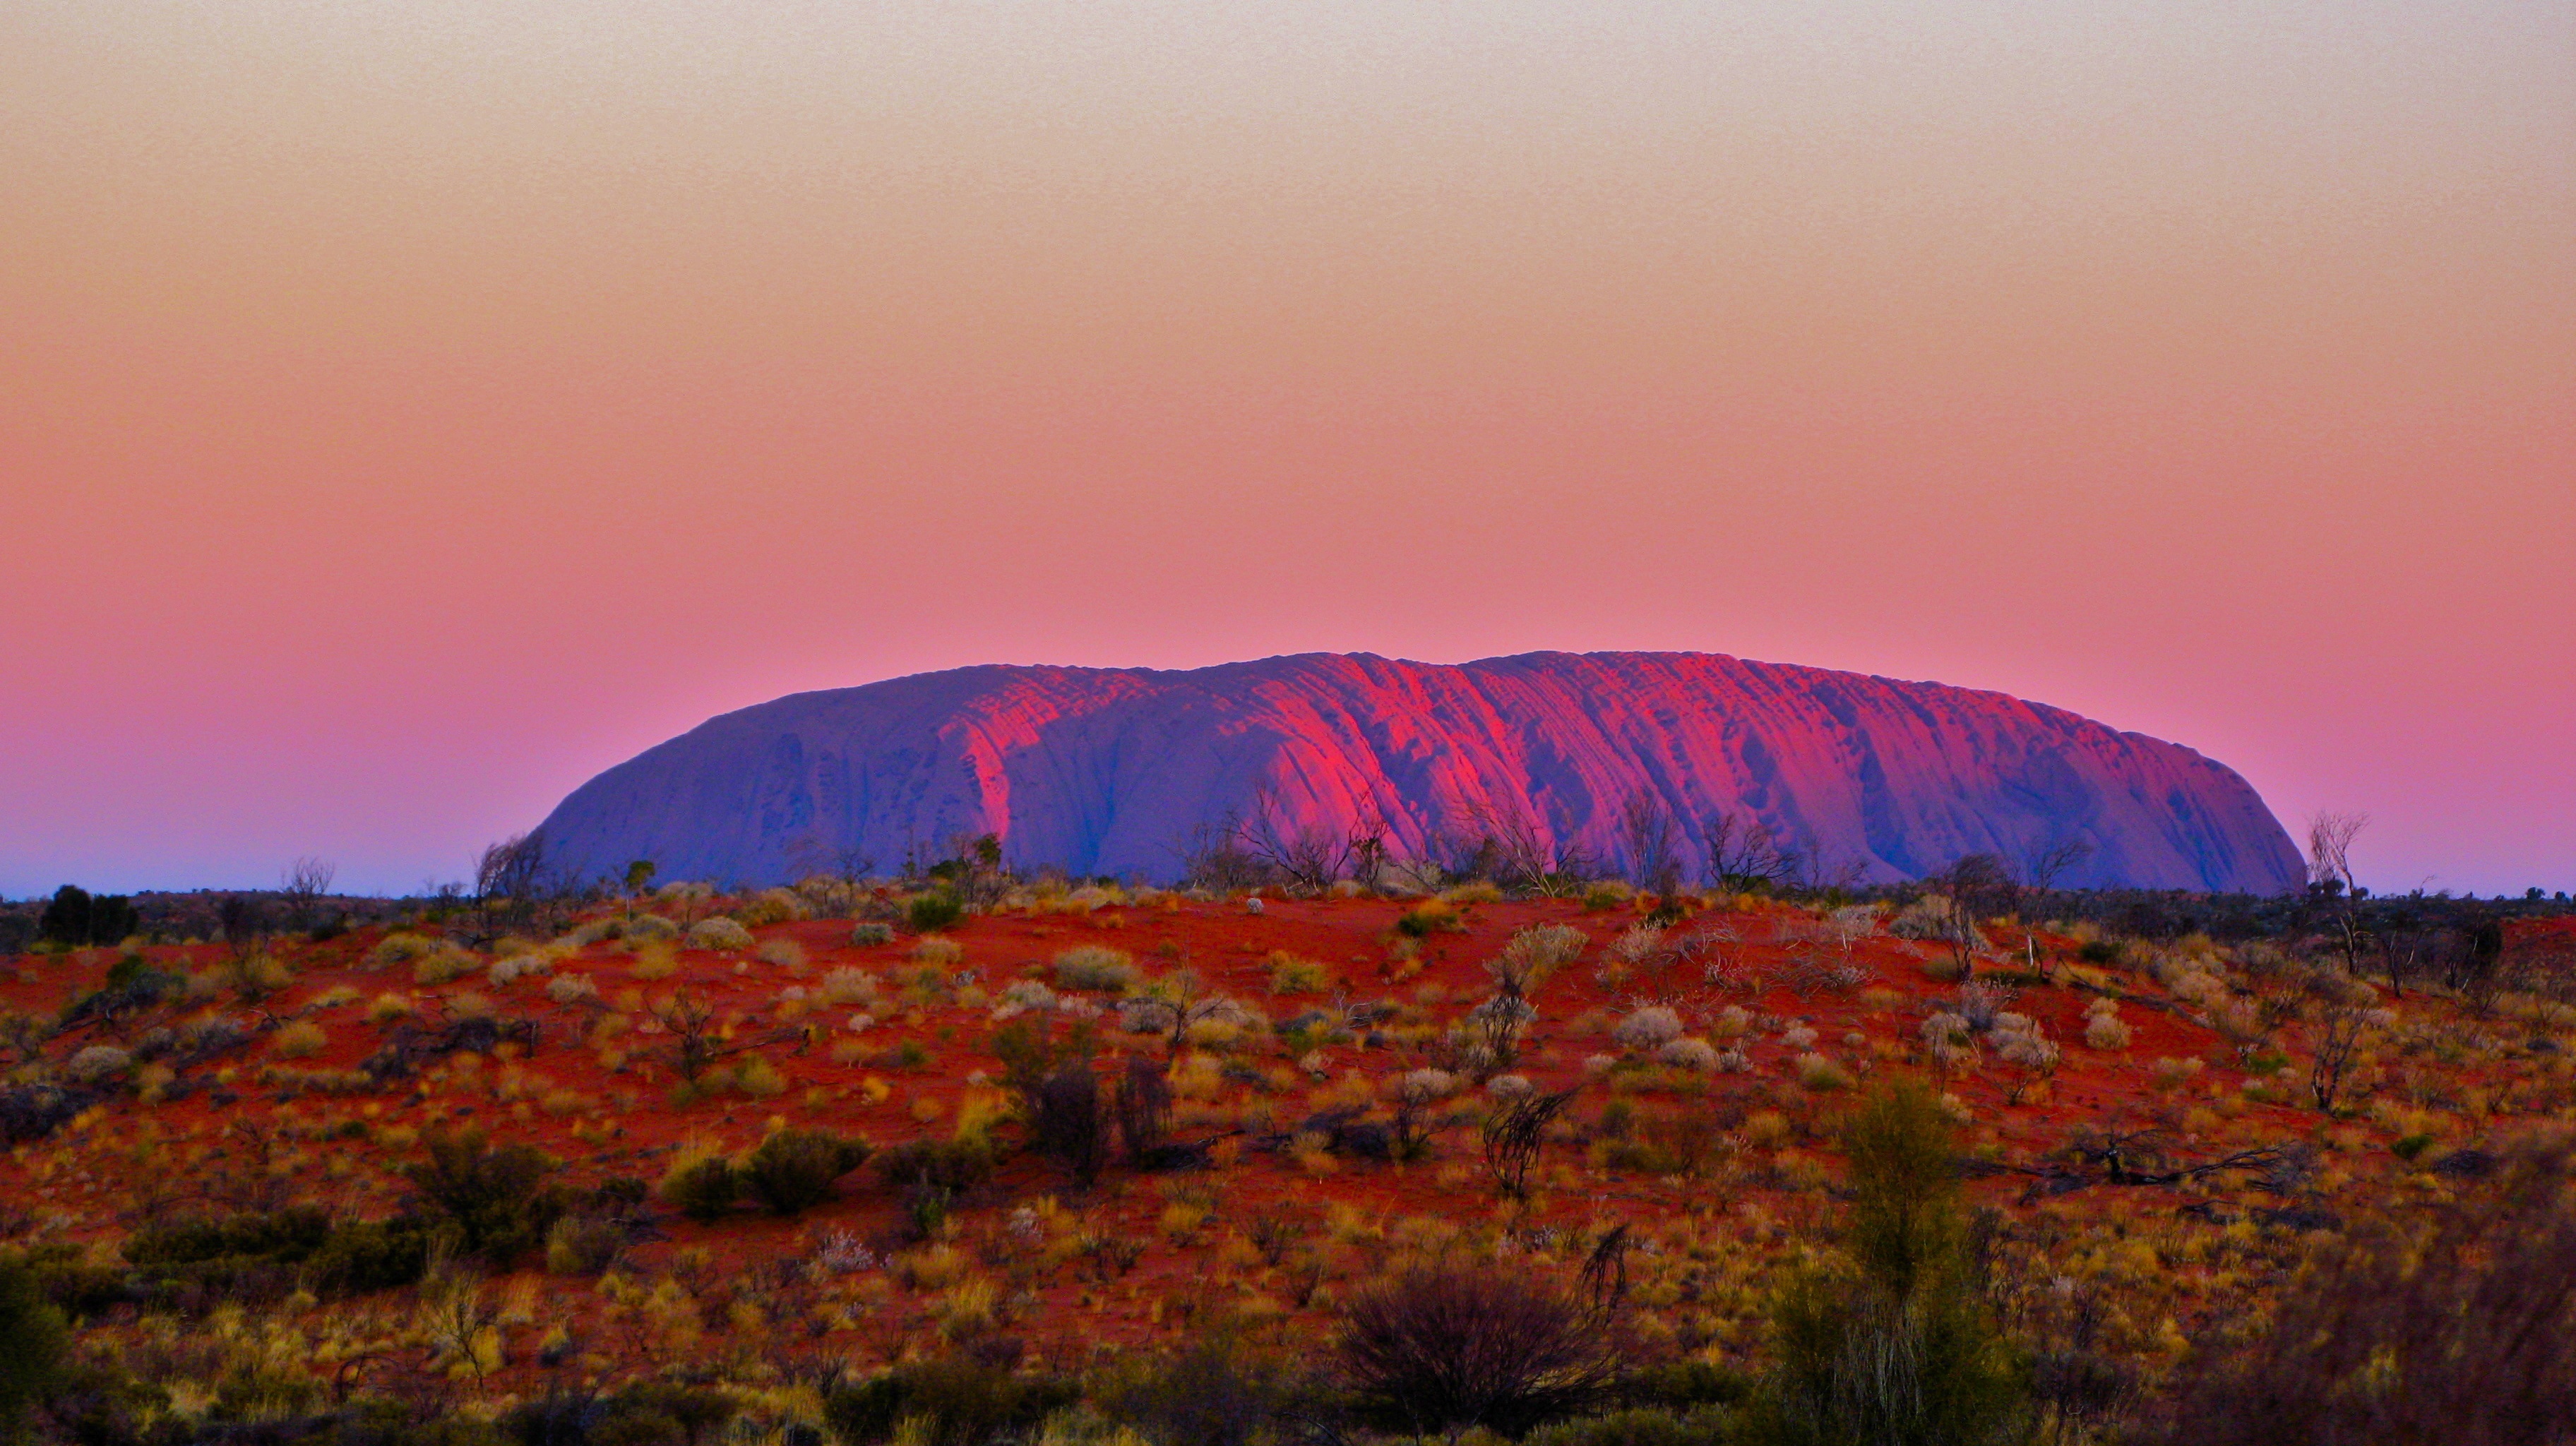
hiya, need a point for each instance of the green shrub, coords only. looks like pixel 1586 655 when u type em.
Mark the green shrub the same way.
pixel 870 934
pixel 704 1189
pixel 286 1235
pixel 379 1255
pixel 500 1197
pixel 648 1413
pixel 794 1170
pixel 1899 1349
pixel 585 1244
pixel 955 1401
pixel 929 913
pixel 34 1340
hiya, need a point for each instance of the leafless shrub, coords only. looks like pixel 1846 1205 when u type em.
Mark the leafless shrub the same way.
pixel 1513 1134
pixel 1451 1347
pixel 1144 1110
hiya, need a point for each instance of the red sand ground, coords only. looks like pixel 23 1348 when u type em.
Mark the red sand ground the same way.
pixel 102 1176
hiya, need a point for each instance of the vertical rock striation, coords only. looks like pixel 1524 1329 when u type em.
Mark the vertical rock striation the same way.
pixel 1111 770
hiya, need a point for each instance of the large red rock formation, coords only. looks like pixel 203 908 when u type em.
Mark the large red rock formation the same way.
pixel 1112 770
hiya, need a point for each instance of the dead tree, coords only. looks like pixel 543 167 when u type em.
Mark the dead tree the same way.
pixel 1745 857
pixel 1652 844
pixel 1513 1135
pixel 304 884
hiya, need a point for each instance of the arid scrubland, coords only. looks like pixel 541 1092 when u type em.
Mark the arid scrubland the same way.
pixel 1071 1163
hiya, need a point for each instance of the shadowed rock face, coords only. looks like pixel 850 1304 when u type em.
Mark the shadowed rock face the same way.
pixel 1110 770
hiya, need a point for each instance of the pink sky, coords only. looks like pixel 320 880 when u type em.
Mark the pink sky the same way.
pixel 407 410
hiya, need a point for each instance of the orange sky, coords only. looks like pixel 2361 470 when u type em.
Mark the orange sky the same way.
pixel 407 410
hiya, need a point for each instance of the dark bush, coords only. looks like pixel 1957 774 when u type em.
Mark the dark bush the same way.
pixel 370 1255
pixel 1069 1126
pixel 1144 1106
pixel 75 917
pixel 960 1401
pixel 1639 1426
pixel 246 1257
pixel 500 1196
pixel 34 1340
pixel 929 913
pixel 2464 1334
pixel 1450 1347
pixel 955 1166
pixel 794 1170
pixel 930 1175
pixel 34 1111
pixel 1684 1385
pixel 1058 1096
pixel 704 1191
pixel 285 1235
pixel 1219 1392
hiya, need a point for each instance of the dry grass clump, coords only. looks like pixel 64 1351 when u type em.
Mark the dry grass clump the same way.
pixel 787 954
pixel 721 934
pixel 773 906
pixel 849 984
pixel 442 963
pixel 400 948
pixel 1295 974
pixel 300 1039
pixel 1649 1028
pixel 936 951
pixel 2103 1028
pixel 1096 968
pixel 571 988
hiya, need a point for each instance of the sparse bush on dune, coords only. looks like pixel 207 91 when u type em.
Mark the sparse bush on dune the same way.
pixel 794 1170
pixel 1296 974
pixel 723 934
pixel 1691 1054
pixel 443 963
pixel 849 985
pixel 650 929
pixel 519 966
pixel 1535 953
pixel 500 1197
pixel 1649 1028
pixel 871 933
pixel 571 988
pixel 98 1062
pixel 299 1040
pixel 2103 1028
pixel 1096 968
pixel 929 913
pixel 772 906
pixel 787 954
pixel 399 948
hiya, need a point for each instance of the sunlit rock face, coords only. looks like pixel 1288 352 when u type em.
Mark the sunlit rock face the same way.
pixel 1114 770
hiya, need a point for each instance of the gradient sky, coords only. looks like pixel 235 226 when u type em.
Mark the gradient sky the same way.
pixel 410 407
